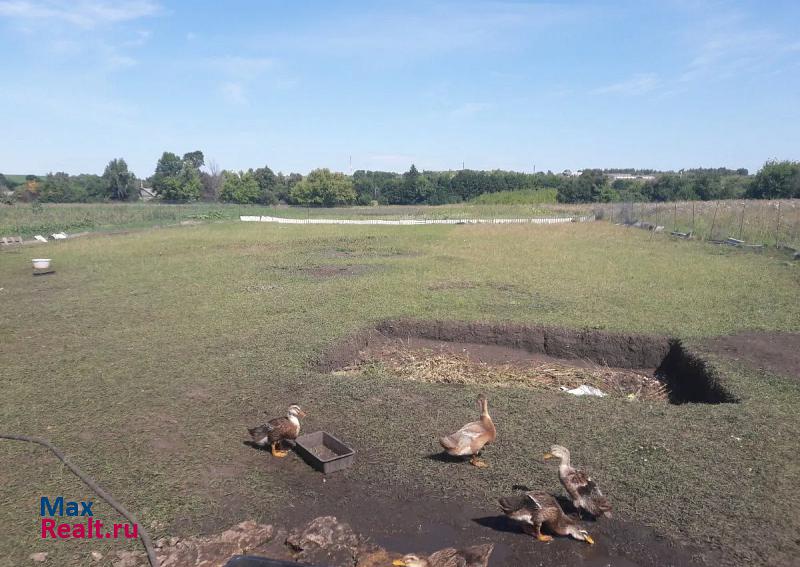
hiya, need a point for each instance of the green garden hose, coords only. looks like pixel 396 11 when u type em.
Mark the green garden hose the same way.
pixel 143 536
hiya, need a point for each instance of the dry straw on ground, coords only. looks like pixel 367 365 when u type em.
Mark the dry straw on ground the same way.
pixel 426 365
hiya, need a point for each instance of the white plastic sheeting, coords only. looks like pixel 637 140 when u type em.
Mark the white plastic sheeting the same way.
pixel 407 222
pixel 585 390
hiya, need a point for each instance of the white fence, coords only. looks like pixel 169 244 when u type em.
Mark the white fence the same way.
pixel 405 222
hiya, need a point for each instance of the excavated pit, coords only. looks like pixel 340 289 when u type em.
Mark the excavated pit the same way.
pixel 622 365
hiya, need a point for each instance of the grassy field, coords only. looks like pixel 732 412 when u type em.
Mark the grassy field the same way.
pixel 523 197
pixel 759 222
pixel 26 221
pixel 16 178
pixel 147 354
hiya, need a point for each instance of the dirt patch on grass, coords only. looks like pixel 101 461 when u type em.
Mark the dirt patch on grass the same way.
pixel 161 430
pixel 260 288
pixel 462 284
pixel 457 284
pixel 337 271
pixel 639 366
pixel 198 394
pixel 608 349
pixel 464 363
pixel 253 247
pixel 356 253
pixel 775 352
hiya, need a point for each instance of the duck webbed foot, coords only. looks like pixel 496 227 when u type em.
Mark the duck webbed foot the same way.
pixel 476 461
pixel 536 531
pixel 277 452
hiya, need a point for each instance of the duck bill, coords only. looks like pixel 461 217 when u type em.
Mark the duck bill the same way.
pixel 548 456
pixel 301 413
pixel 589 540
pixel 399 563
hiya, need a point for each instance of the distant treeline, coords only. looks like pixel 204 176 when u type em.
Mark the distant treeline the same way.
pixel 189 178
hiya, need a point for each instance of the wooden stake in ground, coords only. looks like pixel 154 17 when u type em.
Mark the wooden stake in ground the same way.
pixel 713 222
pixel 675 217
pixel 741 220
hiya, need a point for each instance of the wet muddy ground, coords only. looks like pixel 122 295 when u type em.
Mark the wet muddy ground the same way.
pixel 407 522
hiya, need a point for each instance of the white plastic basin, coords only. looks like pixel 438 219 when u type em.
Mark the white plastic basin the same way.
pixel 41 263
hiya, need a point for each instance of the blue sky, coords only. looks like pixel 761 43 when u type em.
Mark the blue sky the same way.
pixel 299 85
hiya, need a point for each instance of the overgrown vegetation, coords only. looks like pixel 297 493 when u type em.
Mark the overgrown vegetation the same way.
pixel 27 220
pixel 764 222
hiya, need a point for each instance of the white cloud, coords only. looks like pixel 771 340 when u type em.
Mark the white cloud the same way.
pixel 728 45
pixel 242 67
pixel 59 29
pixel 138 39
pixel 639 84
pixel 81 13
pixel 116 61
pixel 468 109
pixel 435 28
pixel 234 93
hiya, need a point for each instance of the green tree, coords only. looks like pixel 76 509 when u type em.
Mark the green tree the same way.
pixel 241 187
pixel 61 188
pixel 467 184
pixel 417 186
pixel 120 184
pixel 169 165
pixel 177 180
pixel 194 159
pixel 268 184
pixel 375 185
pixel 591 186
pixel 776 180
pixel 323 188
pixel 671 187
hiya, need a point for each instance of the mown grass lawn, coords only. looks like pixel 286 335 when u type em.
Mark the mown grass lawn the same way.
pixel 147 354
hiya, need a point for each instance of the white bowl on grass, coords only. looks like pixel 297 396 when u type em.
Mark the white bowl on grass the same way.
pixel 41 263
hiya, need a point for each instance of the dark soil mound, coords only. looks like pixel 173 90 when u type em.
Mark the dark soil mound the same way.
pixel 688 377
pixel 775 352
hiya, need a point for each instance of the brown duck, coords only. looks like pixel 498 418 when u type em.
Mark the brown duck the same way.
pixel 582 489
pixel 475 556
pixel 536 509
pixel 279 429
pixel 470 439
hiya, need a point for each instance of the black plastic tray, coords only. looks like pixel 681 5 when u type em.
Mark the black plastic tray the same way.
pixel 343 455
